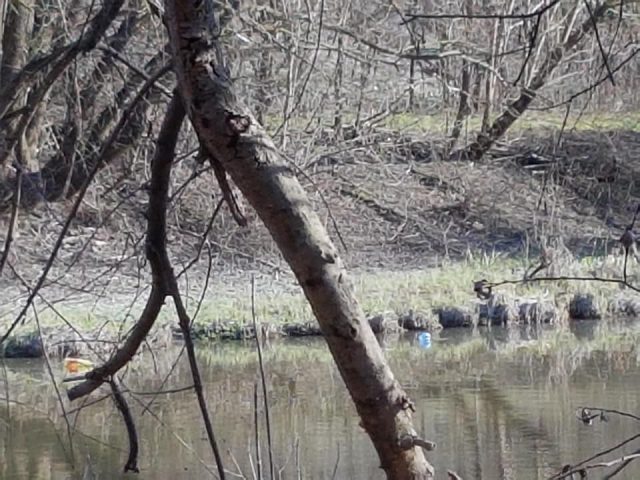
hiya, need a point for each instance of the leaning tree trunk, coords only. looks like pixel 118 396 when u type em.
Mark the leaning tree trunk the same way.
pixel 231 135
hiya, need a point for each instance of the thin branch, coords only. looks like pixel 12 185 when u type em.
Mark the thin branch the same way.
pixel 104 148
pixel 15 206
pixel 483 16
pixel 256 424
pixel 592 86
pixel 309 72
pixel 596 32
pixel 617 281
pixel 533 38
pixel 225 188
pixel 611 411
pixel 121 403
pixel 54 383
pixel 122 59
pixel 185 326
pixel 156 244
pixel 164 282
pixel 262 377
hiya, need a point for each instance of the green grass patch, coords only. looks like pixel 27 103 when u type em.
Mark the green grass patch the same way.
pixel 530 121
pixel 396 292
pixel 379 292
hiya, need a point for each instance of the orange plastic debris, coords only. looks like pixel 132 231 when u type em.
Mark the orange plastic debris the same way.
pixel 77 365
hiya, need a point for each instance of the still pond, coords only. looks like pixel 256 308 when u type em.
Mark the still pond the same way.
pixel 500 404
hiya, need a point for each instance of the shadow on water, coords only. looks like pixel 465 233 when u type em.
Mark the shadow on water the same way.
pixel 500 404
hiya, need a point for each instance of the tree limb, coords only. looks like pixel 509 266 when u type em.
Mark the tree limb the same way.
pixel 155 252
pixel 231 134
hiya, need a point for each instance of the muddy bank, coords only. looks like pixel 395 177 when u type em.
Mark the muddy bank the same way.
pixel 59 342
pixel 499 310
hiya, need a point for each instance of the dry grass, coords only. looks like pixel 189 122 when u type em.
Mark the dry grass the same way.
pixel 418 232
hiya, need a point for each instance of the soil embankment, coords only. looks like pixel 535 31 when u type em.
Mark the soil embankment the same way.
pixel 393 202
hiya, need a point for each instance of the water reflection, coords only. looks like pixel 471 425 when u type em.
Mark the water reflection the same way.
pixel 500 404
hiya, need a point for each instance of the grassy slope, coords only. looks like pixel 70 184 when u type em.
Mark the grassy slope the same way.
pixel 398 214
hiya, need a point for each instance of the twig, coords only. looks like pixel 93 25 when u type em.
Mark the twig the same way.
pixel 335 466
pixel 55 384
pixel 185 326
pixel 309 72
pixel 81 193
pixel 118 56
pixel 408 442
pixel 86 404
pixel 121 403
pixel 484 16
pixel 203 239
pixel 625 459
pixel 576 468
pixel 616 281
pixel 225 188
pixel 613 412
pixel 15 206
pixel 596 32
pixel 590 87
pixel 256 423
pixel 262 377
pixel 533 37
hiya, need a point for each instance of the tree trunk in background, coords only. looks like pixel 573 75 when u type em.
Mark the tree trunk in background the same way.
pixel 15 48
pixel 60 176
pixel 15 38
pixel 231 135
pixel 516 108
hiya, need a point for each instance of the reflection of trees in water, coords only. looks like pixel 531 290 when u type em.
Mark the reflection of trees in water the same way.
pixel 30 445
pixel 510 402
pixel 495 413
pixel 497 437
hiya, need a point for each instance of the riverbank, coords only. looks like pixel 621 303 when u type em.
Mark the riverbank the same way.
pixel 428 299
pixel 416 233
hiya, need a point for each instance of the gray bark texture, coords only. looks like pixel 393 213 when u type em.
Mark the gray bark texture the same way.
pixel 232 136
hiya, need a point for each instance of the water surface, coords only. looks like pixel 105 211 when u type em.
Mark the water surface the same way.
pixel 499 404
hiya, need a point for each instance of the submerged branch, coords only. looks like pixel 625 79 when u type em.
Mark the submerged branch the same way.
pixel 121 403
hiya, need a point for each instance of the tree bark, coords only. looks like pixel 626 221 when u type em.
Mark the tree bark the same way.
pixel 231 135
pixel 15 46
pixel 15 38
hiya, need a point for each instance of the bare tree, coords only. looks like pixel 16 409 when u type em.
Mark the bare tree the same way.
pixel 88 103
pixel 230 134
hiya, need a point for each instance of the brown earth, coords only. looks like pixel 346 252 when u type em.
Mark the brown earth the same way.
pixel 394 203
